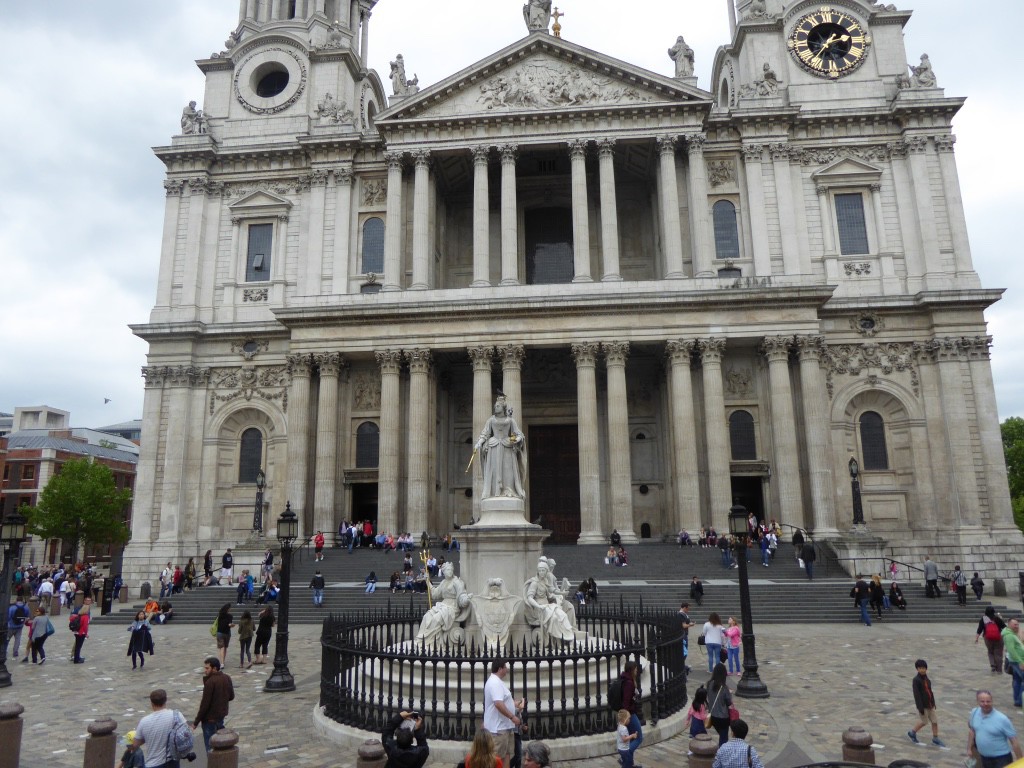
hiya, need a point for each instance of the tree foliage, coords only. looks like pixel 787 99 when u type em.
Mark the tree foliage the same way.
pixel 79 504
pixel 1013 448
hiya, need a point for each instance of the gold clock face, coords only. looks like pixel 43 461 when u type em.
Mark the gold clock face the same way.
pixel 829 43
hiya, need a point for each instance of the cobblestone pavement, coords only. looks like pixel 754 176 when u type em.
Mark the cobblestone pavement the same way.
pixel 822 680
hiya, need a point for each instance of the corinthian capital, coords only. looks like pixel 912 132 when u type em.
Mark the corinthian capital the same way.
pixel 512 355
pixel 300 365
pixel 329 363
pixel 667 145
pixel 481 357
pixel 584 353
pixel 418 359
pixel 615 352
pixel 776 348
pixel 711 350
pixel 679 352
pixel 389 360
pixel 695 143
pixel 810 347
pixel 394 160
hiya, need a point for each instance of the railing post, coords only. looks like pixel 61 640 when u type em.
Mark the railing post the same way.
pixel 101 744
pixel 224 750
pixel 11 726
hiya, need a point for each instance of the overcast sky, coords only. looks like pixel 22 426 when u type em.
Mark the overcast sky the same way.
pixel 91 86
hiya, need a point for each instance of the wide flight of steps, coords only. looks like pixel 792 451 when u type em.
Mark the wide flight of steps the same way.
pixel 658 576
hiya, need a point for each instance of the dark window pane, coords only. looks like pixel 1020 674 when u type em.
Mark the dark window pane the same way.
pixel 250 455
pixel 872 441
pixel 373 245
pixel 549 246
pixel 257 262
pixel 370 288
pixel 727 236
pixel 367 445
pixel 853 232
pixel 741 436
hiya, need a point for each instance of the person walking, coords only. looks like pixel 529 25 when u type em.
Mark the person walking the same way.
pixel 245 633
pixel 318 545
pixel 736 753
pixel 808 555
pixel 190 574
pixel 990 627
pixel 224 624
pixel 227 566
pixel 141 640
pixel 977 585
pixel 218 691
pixel 207 566
pixel 860 595
pixel 631 696
pixel 37 634
pixel 501 711
pixel 1015 655
pixel 931 578
pixel 82 632
pixel 154 731
pixel 719 700
pixel 623 738
pixel 959 580
pixel 17 618
pixel 714 639
pixel 924 700
pixel 317 585
pixel 732 636
pixel 991 737
pixel 263 630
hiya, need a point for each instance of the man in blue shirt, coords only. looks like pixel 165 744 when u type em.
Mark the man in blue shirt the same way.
pixel 736 753
pixel 991 736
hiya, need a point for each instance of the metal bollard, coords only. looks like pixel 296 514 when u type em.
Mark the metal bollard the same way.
pixel 371 755
pixel 857 746
pixel 704 748
pixel 10 734
pixel 101 745
pixel 223 749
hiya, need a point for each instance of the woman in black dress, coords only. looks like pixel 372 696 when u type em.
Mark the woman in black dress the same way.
pixel 266 624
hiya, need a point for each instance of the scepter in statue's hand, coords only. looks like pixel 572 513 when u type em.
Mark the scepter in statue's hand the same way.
pixel 471 458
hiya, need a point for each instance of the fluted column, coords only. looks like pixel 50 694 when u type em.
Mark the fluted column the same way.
pixel 342 228
pixel 949 356
pixel 621 473
pixel 816 434
pixel 418 497
pixel 420 222
pixel 580 212
pixel 609 211
pixel 785 460
pixel 791 262
pixel 685 480
pixel 1000 509
pixel 672 235
pixel 585 356
pixel 954 204
pixel 326 475
pixel 390 362
pixel 512 356
pixel 481 358
pixel 716 432
pixel 300 367
pixel 509 217
pixel 364 43
pixel 481 219
pixel 755 194
pixel 393 225
pixel 700 225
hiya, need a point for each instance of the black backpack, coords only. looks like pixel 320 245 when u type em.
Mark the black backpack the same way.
pixel 20 615
pixel 615 693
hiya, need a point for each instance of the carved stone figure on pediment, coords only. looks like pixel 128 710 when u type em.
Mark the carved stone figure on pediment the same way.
pixel 402 86
pixel 537 15
pixel 768 85
pixel 682 55
pixel 495 612
pixel 192 120
pixel 549 84
pixel 234 38
pixel 738 382
pixel 331 110
pixel 757 10
pixel 366 392
pixel 922 76
pixel 335 38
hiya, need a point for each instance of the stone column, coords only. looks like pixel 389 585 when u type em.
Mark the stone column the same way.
pixel 393 225
pixel 585 356
pixel 949 356
pixel 786 459
pixel 923 197
pixel 300 368
pixel 420 445
pixel 787 209
pixel 482 405
pixel 672 236
pixel 717 433
pixel 935 486
pixel 580 212
pixel 685 479
pixel 700 226
pixel 364 43
pixel 509 216
pixel 609 211
pixel 481 219
pixel 420 222
pixel 390 362
pixel 817 434
pixel 954 204
pixel 512 356
pixel 996 487
pixel 825 213
pixel 755 196
pixel 621 473
pixel 326 476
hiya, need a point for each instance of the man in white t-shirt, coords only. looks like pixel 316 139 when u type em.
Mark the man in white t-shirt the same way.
pixel 500 711
pixel 154 729
pixel 45 593
pixel 67 591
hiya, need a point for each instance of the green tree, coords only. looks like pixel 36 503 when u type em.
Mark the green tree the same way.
pixel 1013 448
pixel 81 503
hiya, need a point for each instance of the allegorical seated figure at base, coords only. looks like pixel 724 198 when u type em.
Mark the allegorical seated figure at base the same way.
pixel 501 447
pixel 451 607
pixel 546 606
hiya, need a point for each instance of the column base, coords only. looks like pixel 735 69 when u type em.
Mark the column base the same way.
pixel 419 287
pixel 387 287
pixel 592 537
pixel 583 279
pixel 613 278
pixel 675 276
pixel 480 284
pixel 509 281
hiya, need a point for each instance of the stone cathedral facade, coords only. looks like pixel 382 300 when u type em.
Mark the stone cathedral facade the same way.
pixel 689 297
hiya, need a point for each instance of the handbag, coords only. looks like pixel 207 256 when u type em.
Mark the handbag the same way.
pixel 701 640
pixel 707 718
pixel 49 629
pixel 734 714
pixel 723 655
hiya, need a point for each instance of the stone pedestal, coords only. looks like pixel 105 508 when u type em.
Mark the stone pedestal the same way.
pixel 500 545
pixel 860 550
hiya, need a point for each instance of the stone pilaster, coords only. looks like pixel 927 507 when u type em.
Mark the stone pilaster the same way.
pixel 954 205
pixel 685 479
pixel 481 358
pixel 786 458
pixel 172 210
pixel 509 216
pixel 580 212
pixel 300 367
pixel 342 229
pixel 755 195
pixel 313 270
pixel 996 486
pixel 787 210
pixel 609 211
pixel 621 474
pixel 420 222
pixel 419 445
pixel 481 219
pixel 326 476
pixel 585 356
pixel 917 147
pixel 816 434
pixel 716 432
pixel 671 232
pixel 700 226
pixel 390 362
pixel 393 225
pixel 949 356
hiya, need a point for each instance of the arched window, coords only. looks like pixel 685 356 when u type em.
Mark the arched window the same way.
pixel 741 436
pixel 727 235
pixel 367 445
pixel 250 455
pixel 373 245
pixel 872 441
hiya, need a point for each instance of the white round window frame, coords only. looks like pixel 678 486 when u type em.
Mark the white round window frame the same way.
pixel 246 71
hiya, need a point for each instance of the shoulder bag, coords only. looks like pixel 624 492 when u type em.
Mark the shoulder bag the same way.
pixel 707 718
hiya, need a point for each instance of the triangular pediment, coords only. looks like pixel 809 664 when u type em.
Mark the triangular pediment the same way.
pixel 261 202
pixel 542 73
pixel 847 170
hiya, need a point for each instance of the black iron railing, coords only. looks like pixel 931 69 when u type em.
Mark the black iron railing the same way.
pixel 371 669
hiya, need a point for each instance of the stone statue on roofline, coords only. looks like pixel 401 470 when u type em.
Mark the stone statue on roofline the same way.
pixel 682 55
pixel 537 14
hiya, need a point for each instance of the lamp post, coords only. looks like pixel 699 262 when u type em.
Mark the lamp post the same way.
pixel 858 507
pixel 12 534
pixel 287 531
pixel 750 685
pixel 257 515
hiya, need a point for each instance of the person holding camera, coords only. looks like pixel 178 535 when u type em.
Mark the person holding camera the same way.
pixel 398 739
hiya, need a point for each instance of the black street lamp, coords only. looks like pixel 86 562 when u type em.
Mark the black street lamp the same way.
pixel 858 506
pixel 750 685
pixel 287 532
pixel 257 515
pixel 12 534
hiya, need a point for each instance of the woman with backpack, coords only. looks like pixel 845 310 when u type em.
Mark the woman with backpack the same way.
pixel 80 628
pixel 991 626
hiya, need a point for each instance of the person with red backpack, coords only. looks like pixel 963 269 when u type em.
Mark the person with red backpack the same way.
pixel 79 626
pixel 990 627
pixel 17 617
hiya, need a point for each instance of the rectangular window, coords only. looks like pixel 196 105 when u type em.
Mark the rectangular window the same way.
pixel 28 472
pixel 853 231
pixel 257 260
